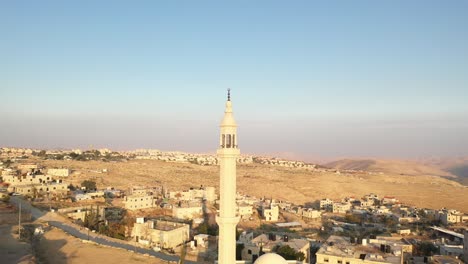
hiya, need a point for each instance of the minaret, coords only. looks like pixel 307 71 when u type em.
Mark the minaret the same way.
pixel 227 218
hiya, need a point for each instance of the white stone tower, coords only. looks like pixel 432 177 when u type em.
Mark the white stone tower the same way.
pixel 227 218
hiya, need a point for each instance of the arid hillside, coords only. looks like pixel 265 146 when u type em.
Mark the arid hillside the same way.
pixel 296 185
pixel 401 167
pixel 458 166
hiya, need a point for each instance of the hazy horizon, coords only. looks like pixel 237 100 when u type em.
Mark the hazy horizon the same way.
pixel 309 80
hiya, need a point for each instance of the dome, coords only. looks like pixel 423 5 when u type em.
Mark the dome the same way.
pixel 270 258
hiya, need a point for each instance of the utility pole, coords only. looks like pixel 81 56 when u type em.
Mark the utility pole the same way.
pixel 19 221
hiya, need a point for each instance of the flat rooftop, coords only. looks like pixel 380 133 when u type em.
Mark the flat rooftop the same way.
pixel 166 226
pixel 342 247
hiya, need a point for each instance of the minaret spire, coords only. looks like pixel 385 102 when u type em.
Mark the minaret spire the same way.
pixel 227 219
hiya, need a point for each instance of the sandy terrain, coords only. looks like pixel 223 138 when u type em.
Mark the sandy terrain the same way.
pixel 405 167
pixel 296 185
pixel 58 247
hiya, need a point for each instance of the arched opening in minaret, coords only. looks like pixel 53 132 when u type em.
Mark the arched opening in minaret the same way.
pixel 234 141
pixel 223 141
pixel 228 141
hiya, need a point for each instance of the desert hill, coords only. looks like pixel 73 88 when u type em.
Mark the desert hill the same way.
pixel 457 166
pixel 399 167
pixel 299 186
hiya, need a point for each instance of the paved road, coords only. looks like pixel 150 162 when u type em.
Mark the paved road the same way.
pixel 58 221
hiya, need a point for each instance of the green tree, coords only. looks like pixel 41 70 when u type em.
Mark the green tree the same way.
pixel 427 249
pixel 92 219
pixel 203 228
pixel 89 185
pixel 351 218
pixel 289 253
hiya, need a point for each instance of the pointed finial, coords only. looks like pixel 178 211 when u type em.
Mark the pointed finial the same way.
pixel 229 94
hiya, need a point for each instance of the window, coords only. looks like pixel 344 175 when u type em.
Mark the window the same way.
pixel 234 141
pixel 325 260
pixel 228 141
pixel 347 262
pixel 339 261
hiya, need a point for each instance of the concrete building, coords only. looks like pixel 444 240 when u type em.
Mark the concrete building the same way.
pixel 326 204
pixel 41 188
pixel 245 211
pixel 187 212
pixel 270 213
pixel 160 233
pixel 268 243
pixel 227 219
pixel 311 213
pixel 27 167
pixel 451 250
pixel 14 180
pixel 451 217
pixel 58 172
pixel 81 212
pixel 145 190
pixel 136 202
pixel 389 200
pixel 202 193
pixel 202 240
pixel 343 250
pixel 448 234
pixel 341 208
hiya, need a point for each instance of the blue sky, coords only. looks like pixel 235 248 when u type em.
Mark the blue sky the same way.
pixel 310 79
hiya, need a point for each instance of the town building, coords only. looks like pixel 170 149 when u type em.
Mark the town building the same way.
pixel 345 250
pixel 187 212
pixel 202 193
pixel 264 243
pixel 341 208
pixel 41 188
pixel 311 213
pixel 136 202
pixel 79 213
pixel 389 200
pixel 270 213
pixel 160 233
pixel 25 168
pixel 451 250
pixel 245 211
pixel 451 216
pixel 14 180
pixel 326 204
pixel 145 190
